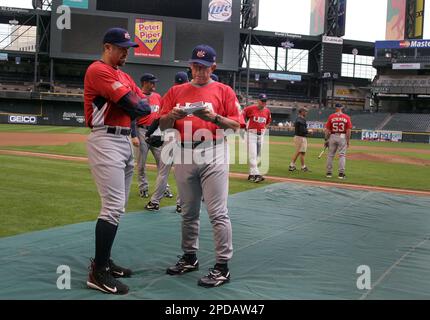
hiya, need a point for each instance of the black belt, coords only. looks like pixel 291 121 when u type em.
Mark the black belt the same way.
pixel 195 144
pixel 143 127
pixel 115 130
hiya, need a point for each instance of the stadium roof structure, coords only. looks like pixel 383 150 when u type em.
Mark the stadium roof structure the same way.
pixel 304 42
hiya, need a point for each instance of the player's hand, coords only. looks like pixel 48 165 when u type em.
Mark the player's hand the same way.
pixel 135 141
pixel 177 114
pixel 206 114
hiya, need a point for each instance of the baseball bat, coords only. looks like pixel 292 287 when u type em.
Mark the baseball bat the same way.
pixel 321 153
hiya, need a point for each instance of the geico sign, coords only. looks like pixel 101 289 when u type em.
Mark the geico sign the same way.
pixel 22 119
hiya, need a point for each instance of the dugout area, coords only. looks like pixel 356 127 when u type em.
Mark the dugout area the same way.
pixel 291 241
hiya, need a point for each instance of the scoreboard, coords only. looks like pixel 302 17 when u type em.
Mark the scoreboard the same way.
pixel 166 30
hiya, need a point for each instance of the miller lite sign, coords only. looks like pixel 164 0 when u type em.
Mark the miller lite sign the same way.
pixel 220 10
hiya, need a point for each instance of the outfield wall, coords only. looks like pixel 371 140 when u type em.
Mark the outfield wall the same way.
pixel 43 112
pixel 420 137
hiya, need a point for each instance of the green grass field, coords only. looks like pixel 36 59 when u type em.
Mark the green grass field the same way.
pixel 43 193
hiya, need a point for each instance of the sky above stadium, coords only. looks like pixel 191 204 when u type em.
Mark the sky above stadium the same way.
pixel 365 19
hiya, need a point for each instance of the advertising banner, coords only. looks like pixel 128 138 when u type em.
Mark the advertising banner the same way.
pixel 149 35
pixel 81 4
pixel 396 20
pixel 220 10
pixel 318 16
pixel 381 135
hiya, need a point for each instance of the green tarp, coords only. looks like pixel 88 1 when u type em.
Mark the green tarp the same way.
pixel 291 241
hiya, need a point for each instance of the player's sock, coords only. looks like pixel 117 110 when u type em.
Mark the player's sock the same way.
pixel 292 164
pixel 190 257
pixel 105 235
pixel 221 266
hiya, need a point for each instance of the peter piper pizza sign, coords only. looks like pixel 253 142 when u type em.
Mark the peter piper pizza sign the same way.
pixel 149 37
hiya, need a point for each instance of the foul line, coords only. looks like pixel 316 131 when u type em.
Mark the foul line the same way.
pixel 244 175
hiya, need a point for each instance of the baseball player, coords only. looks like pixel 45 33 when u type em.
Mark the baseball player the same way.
pixel 181 77
pixel 337 137
pixel 209 179
pixel 139 136
pixel 111 100
pixel 300 141
pixel 259 117
pixel 164 165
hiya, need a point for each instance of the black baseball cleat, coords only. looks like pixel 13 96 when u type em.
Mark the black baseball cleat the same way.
pixel 151 206
pixel 143 194
pixel 305 169
pixel 178 209
pixel 183 265
pixel 118 271
pixel 329 175
pixel 214 278
pixel 291 168
pixel 103 280
pixel 251 178
pixel 259 179
pixel 342 176
pixel 168 194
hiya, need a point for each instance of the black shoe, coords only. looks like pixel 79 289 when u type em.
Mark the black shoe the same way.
pixel 183 265
pixel 118 271
pixel 168 194
pixel 214 278
pixel 251 178
pixel 259 179
pixel 291 168
pixel 178 209
pixel 143 194
pixel 104 281
pixel 342 176
pixel 152 206
pixel 305 169
pixel 329 175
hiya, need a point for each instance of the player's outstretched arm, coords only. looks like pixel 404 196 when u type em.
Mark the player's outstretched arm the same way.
pixel 134 106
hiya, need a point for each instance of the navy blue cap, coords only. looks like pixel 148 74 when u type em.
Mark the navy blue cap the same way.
pixel 119 37
pixel 339 106
pixel 149 77
pixel 214 77
pixel 203 54
pixel 262 97
pixel 181 77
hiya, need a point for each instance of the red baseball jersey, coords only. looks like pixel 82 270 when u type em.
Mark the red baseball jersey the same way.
pixel 154 101
pixel 217 96
pixel 338 123
pixel 258 119
pixel 104 86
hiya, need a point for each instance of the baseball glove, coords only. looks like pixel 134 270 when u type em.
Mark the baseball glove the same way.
pixel 154 141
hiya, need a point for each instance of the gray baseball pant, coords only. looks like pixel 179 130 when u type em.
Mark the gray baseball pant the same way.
pixel 210 181
pixel 164 165
pixel 111 160
pixel 142 155
pixel 337 143
pixel 254 143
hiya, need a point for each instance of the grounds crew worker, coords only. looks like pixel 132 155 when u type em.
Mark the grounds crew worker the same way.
pixel 197 179
pixel 300 141
pixel 337 136
pixel 111 100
